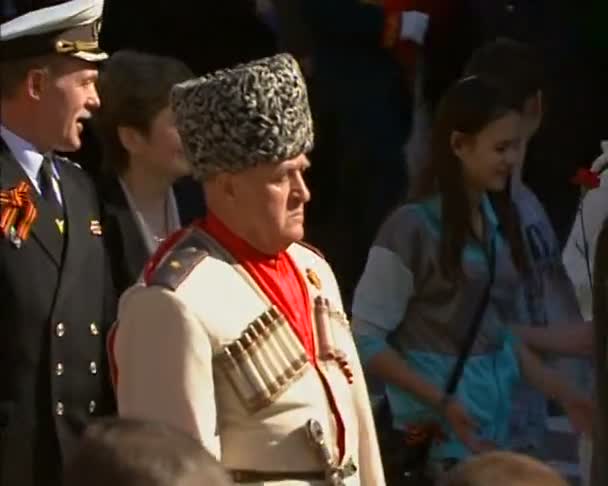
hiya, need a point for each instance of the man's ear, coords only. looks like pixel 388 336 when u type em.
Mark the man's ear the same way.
pixel 36 83
pixel 228 185
pixel 221 190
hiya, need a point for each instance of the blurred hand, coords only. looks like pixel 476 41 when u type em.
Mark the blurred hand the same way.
pixel 580 411
pixel 584 339
pixel 465 428
pixel 574 339
pixel 577 339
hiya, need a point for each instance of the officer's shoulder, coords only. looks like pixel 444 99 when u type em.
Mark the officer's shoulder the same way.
pixel 75 171
pixel 316 270
pixel 306 248
pixel 175 260
pixel 308 258
pixel 67 162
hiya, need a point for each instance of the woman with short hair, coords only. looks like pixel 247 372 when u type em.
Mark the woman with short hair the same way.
pixel 142 159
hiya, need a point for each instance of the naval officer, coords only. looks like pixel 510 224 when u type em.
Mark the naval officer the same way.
pixel 55 303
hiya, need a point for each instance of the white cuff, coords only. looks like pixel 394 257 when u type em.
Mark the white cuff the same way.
pixel 414 25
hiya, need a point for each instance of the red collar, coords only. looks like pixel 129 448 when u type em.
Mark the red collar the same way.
pixel 240 249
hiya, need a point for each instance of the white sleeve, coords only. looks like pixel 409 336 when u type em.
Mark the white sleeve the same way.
pixel 595 210
pixel 382 294
pixel 163 357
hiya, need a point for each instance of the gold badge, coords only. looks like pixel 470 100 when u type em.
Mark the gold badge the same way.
pixel 96 228
pixel 60 225
pixel 313 278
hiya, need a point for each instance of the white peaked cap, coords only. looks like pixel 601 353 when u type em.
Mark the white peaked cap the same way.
pixel 70 28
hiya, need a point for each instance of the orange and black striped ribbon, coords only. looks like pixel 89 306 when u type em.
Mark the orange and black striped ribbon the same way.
pixel 17 203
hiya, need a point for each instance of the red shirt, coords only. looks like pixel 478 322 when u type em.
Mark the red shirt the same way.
pixel 277 276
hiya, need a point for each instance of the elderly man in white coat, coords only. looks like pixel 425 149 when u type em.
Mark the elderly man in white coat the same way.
pixel 236 334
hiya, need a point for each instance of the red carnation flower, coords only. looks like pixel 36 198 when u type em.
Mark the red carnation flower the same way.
pixel 587 179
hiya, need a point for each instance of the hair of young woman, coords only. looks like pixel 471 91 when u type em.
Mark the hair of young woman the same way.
pixel 467 107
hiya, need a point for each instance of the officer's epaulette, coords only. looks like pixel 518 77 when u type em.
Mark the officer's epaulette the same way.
pixel 173 263
pixel 313 249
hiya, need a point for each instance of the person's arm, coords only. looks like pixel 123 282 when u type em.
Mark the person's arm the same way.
pixel 389 366
pixel 392 368
pixel 163 357
pixel 600 320
pixel 379 305
pixel 575 339
pixel 578 407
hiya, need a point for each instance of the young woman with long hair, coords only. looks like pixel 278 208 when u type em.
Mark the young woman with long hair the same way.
pixel 428 270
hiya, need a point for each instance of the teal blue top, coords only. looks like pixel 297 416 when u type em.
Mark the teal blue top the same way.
pixel 403 294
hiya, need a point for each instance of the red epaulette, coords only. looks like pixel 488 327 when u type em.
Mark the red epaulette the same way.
pixel 176 258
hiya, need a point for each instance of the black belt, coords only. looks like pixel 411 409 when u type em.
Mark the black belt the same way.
pixel 245 476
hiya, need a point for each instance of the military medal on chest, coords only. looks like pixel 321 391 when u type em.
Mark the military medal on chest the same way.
pixel 95 227
pixel 313 278
pixel 17 213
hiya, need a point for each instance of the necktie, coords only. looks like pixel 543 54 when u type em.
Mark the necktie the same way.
pixel 47 181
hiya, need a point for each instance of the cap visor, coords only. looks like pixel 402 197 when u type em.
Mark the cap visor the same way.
pixel 90 56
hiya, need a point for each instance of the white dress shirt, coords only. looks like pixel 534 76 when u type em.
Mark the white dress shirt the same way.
pixel 29 158
pixel 172 218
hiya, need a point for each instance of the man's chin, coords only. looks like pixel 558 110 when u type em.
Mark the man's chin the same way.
pixel 297 234
pixel 291 238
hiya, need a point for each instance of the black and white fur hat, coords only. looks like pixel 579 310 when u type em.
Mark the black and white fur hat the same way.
pixel 238 118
